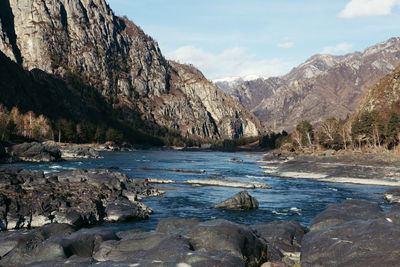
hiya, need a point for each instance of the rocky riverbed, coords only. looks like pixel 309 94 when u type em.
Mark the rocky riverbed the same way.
pixel 47 152
pixel 81 197
pixel 381 169
pixel 56 219
pixel 187 242
pixel 354 233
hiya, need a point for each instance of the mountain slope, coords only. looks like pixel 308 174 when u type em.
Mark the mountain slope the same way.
pixel 123 63
pixel 322 87
pixel 384 96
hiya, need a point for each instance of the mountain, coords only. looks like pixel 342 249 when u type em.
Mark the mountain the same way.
pixel 229 83
pixel 84 39
pixel 384 96
pixel 324 86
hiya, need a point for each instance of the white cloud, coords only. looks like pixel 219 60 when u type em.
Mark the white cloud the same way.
pixel 337 49
pixel 230 62
pixel 286 45
pixel 360 8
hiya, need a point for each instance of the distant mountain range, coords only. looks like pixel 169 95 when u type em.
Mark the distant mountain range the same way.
pixel 115 58
pixel 324 86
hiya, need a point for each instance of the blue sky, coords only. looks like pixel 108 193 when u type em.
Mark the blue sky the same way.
pixel 260 37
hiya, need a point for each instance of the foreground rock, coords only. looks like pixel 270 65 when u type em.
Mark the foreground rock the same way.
pixel 356 233
pixel 83 197
pixel 50 244
pixel 176 242
pixel 240 201
pixel 34 152
pixel 187 241
pixel 285 236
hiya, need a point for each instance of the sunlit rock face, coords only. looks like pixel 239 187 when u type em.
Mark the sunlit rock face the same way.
pixel 122 62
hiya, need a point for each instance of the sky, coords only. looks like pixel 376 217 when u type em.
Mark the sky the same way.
pixel 260 38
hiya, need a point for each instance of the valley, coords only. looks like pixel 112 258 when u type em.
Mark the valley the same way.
pixel 119 150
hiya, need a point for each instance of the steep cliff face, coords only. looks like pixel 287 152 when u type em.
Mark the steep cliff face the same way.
pixel 322 87
pixel 121 61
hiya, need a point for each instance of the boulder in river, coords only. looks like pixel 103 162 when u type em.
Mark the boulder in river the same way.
pixel 236 160
pixel 188 170
pixel 78 152
pixel 240 201
pixel 355 233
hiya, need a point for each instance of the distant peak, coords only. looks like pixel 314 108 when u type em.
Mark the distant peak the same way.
pixel 237 79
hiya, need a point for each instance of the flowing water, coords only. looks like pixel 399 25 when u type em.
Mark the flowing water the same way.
pixel 289 199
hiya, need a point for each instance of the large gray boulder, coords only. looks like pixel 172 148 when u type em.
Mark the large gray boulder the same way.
pixel 41 244
pixel 240 201
pixel 238 240
pixel 52 245
pixel 78 152
pixel 85 241
pixel 35 152
pixel 285 236
pixel 356 233
pixel 176 225
pixel 349 210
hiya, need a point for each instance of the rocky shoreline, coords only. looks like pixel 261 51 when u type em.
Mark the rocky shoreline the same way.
pixel 356 168
pixel 354 233
pixel 51 151
pixel 80 198
pixel 53 220
pixel 44 220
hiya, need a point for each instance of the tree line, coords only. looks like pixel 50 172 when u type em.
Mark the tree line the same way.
pixel 15 125
pixel 368 130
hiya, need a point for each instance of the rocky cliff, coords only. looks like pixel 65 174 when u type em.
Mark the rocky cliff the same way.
pixel 123 63
pixel 322 87
pixel 384 96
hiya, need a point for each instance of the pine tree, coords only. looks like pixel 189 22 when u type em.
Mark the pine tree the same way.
pixel 392 130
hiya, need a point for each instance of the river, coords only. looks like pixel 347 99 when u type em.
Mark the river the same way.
pixel 289 199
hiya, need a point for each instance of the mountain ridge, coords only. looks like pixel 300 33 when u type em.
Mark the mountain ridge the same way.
pixel 323 86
